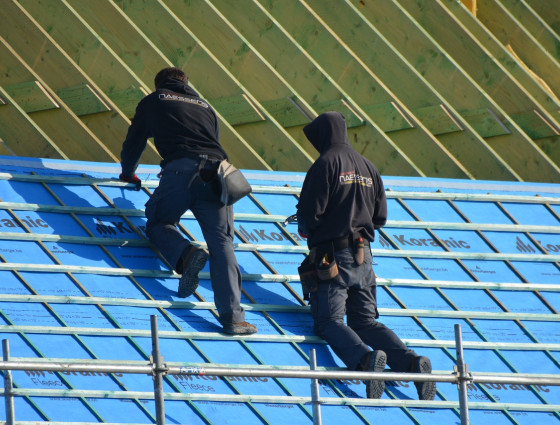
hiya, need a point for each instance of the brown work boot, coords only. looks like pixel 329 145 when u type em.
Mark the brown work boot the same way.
pixel 193 262
pixel 240 328
pixel 374 361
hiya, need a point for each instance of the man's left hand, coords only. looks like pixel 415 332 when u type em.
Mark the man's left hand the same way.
pixel 134 179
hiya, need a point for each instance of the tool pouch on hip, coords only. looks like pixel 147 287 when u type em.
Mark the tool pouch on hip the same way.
pixel 308 277
pixel 359 251
pixel 327 270
pixel 325 262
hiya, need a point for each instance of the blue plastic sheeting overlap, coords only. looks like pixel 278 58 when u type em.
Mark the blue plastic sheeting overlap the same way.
pixel 81 282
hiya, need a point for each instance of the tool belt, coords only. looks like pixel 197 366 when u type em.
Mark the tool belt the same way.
pixel 320 265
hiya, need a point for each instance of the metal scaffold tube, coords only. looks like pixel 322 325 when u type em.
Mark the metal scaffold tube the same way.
pixel 464 378
pixel 158 370
pixel 8 385
pixel 315 390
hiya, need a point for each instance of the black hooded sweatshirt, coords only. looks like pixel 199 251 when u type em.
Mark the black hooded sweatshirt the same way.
pixel 342 193
pixel 181 123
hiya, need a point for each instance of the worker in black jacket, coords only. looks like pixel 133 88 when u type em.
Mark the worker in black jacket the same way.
pixel 342 202
pixel 186 134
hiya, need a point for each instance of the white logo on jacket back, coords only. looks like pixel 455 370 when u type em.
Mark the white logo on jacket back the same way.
pixel 164 96
pixel 351 177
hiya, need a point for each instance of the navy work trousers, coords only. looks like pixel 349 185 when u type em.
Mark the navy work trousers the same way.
pixel 353 293
pixel 171 199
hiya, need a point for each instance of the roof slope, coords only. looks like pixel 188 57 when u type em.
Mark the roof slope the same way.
pixel 78 280
pixel 427 87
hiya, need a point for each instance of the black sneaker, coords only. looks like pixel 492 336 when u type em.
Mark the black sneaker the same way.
pixel 193 263
pixel 426 390
pixel 374 362
pixel 240 328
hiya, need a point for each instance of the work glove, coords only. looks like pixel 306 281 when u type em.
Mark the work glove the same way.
pixel 134 179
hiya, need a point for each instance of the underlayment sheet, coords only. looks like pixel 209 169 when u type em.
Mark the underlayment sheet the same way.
pixel 91 295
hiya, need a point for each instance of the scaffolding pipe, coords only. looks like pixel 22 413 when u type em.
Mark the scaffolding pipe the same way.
pixel 463 376
pixel 8 385
pixel 158 370
pixel 148 369
pixel 315 390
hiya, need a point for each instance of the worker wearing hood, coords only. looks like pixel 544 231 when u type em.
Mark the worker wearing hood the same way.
pixel 342 193
pixel 342 202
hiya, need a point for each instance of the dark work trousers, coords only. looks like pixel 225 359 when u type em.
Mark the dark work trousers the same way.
pixel 353 292
pixel 171 199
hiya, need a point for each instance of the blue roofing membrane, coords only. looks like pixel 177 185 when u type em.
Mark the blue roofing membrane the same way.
pixel 78 280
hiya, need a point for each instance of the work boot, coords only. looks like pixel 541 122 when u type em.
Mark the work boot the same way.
pixel 193 263
pixel 240 328
pixel 374 361
pixel 426 390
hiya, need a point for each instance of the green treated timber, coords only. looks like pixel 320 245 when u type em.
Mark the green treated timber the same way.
pixel 535 124
pixel 359 34
pixel 48 362
pixel 287 112
pixel 361 86
pixel 260 218
pixel 389 117
pixel 251 70
pixel 212 78
pixel 134 60
pixel 271 278
pixel 506 286
pixel 311 86
pixel 28 44
pixel 127 99
pixel 216 336
pixel 21 135
pixel 352 119
pixel 485 122
pixel 455 20
pixel 483 39
pixel 89 49
pixel 438 119
pixel 82 100
pixel 314 84
pixel 249 247
pixel 397 312
pixel 547 10
pixel 437 66
pixel 208 77
pixel 264 399
pixel 535 25
pixel 392 194
pixel 510 31
pixel 94 65
pixel 237 109
pixel 31 96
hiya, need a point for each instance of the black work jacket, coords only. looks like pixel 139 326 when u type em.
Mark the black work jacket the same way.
pixel 181 123
pixel 342 193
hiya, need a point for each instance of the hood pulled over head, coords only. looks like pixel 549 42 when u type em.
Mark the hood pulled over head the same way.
pixel 326 130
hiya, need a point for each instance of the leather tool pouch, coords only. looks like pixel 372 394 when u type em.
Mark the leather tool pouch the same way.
pixel 327 268
pixel 308 277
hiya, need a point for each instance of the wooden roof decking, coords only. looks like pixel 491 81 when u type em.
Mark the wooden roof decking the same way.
pixel 427 87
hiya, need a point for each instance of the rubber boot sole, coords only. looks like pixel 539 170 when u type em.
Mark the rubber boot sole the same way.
pixel 189 279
